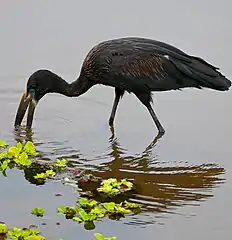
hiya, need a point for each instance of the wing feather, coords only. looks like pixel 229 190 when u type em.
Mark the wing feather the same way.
pixel 144 65
pixel 144 72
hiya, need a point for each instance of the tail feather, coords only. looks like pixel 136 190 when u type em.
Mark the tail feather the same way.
pixel 200 74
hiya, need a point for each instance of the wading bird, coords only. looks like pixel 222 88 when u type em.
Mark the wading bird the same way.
pixel 132 64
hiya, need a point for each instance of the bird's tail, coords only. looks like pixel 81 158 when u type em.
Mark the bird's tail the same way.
pixel 203 74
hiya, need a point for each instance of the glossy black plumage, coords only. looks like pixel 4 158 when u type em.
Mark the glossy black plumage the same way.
pixel 136 65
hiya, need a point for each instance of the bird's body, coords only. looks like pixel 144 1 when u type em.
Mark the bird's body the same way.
pixel 136 65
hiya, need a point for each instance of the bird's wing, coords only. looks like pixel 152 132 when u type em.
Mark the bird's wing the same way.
pixel 157 67
pixel 141 65
pixel 143 71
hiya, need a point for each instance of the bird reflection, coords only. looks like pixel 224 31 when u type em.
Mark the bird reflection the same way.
pixel 22 134
pixel 162 188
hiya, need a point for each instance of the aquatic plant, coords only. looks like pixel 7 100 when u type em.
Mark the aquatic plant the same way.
pixel 61 163
pixel 42 176
pixel 20 234
pixel 99 236
pixel 3 228
pixel 3 144
pixel 39 212
pixel 17 155
pixel 113 187
pixel 89 210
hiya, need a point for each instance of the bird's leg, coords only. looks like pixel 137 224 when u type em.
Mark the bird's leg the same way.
pixel 145 98
pixel 118 93
pixel 156 120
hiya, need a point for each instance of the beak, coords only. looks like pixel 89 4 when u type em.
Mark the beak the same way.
pixel 31 111
pixel 27 99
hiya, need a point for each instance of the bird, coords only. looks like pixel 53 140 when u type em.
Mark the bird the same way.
pixel 129 64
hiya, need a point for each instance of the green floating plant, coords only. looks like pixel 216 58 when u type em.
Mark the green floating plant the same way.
pixel 113 187
pixel 20 234
pixel 3 144
pixel 136 208
pixel 4 165
pixel 42 176
pixel 86 203
pixel 99 236
pixel 25 234
pixel 17 155
pixel 61 163
pixel 39 212
pixel 113 208
pixel 88 210
pixel 3 228
pixel 29 148
pixel 50 173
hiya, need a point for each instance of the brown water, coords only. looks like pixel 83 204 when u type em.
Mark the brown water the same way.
pixel 185 177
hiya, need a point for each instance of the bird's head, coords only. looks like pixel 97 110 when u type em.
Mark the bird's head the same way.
pixel 38 84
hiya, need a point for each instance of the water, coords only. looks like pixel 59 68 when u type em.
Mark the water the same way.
pixel 184 177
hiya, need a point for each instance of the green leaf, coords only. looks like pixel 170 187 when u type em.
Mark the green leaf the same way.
pixel 14 151
pixel 29 148
pixel 16 232
pixel 25 233
pixel 61 209
pixel 19 146
pixel 24 160
pixel 98 211
pixel 39 212
pixel 99 236
pixel 85 202
pixel 61 163
pixel 35 238
pixel 83 214
pixel 130 205
pixel 27 162
pixel 109 206
pixel 35 231
pixel 50 173
pixel 3 155
pixel 77 219
pixel 3 144
pixel 3 228
pixel 122 210
pixel 4 165
pixel 15 238
pixel 112 186
pixel 40 176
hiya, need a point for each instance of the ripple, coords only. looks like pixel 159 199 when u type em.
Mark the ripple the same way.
pixel 163 186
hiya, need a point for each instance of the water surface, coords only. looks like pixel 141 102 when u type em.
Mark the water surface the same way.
pixel 184 177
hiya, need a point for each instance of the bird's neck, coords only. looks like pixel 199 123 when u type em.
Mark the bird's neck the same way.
pixel 74 89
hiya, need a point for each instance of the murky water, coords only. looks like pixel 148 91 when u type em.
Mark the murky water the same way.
pixel 184 177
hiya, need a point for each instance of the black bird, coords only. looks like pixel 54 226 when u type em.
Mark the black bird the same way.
pixel 132 64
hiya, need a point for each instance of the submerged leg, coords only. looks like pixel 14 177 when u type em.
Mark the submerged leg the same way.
pixel 118 93
pixel 145 98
